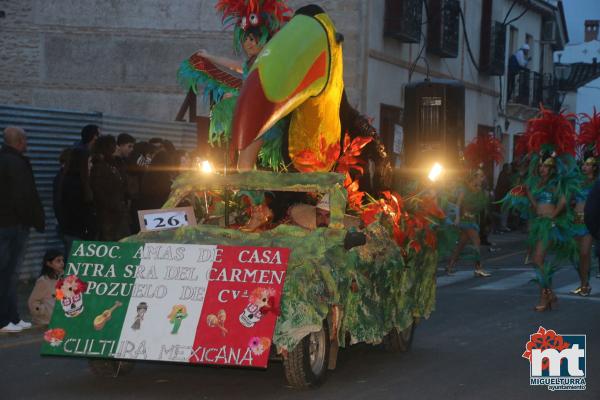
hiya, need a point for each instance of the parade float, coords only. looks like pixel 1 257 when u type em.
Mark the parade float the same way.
pixel 230 282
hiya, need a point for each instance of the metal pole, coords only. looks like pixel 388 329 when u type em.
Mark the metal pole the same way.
pixel 225 191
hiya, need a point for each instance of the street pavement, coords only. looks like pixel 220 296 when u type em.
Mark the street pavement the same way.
pixel 470 348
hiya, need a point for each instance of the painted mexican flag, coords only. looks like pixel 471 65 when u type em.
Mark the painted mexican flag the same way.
pixel 206 304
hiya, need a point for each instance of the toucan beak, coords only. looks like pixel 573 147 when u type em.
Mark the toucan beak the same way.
pixel 292 67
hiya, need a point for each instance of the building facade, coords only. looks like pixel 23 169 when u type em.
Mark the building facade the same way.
pixel 121 57
pixel 582 71
pixel 491 33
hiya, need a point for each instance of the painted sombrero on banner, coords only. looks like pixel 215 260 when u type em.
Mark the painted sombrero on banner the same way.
pixel 207 304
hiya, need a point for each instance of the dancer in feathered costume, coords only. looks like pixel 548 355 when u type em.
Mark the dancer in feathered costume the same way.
pixel 589 141
pixel 472 200
pixel 254 22
pixel 552 178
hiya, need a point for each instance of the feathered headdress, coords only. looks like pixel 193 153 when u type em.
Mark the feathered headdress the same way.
pixel 263 17
pixel 481 149
pixel 589 135
pixel 550 133
pixel 550 139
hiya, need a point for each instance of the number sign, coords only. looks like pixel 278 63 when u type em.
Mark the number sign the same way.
pixel 167 218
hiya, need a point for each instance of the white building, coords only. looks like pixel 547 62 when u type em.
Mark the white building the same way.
pixel 121 58
pixel 582 61
pixel 493 30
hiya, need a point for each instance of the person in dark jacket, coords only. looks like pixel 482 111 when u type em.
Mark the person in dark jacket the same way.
pixel 503 185
pixel 89 135
pixel 592 211
pixel 20 209
pixel 78 220
pixel 592 216
pixel 57 192
pixel 109 191
pixel 156 181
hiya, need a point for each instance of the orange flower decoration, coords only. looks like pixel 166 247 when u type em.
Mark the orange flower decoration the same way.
pixel 544 339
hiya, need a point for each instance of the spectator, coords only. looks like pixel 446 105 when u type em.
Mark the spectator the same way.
pixel 517 62
pixel 503 185
pixel 89 135
pixel 57 192
pixel 184 160
pixel 77 215
pixel 592 211
pixel 139 161
pixel 109 191
pixel 41 301
pixel 592 217
pixel 485 220
pixel 157 143
pixel 20 209
pixel 156 181
pixel 142 154
pixel 125 143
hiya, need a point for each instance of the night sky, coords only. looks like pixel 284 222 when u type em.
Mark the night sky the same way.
pixel 576 12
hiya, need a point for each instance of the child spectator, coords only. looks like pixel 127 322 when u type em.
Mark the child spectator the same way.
pixel 41 301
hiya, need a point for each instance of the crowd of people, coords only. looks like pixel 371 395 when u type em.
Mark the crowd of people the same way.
pixel 104 181
pixel 552 192
pixel 101 184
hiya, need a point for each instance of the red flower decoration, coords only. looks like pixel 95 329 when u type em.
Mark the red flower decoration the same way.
pixel 349 160
pixel 544 339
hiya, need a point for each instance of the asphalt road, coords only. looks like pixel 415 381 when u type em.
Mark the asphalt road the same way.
pixel 470 348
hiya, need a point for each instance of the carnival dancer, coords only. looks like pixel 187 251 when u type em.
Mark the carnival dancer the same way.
pixel 472 199
pixel 551 179
pixel 255 22
pixel 589 139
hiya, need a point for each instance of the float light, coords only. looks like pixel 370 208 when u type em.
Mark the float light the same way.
pixel 435 172
pixel 205 167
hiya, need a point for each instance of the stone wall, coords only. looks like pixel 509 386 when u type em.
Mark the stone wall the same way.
pixel 120 57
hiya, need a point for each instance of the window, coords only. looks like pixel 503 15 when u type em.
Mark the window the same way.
pixel 403 20
pixel 493 42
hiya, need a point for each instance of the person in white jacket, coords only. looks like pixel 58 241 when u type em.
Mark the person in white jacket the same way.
pixel 516 63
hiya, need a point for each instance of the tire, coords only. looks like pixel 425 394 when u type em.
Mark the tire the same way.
pixel 110 368
pixel 306 365
pixel 399 341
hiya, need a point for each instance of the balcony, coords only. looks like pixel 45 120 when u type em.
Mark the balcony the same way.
pixel 527 91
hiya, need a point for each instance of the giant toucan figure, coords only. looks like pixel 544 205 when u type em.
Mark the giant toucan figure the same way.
pixel 298 73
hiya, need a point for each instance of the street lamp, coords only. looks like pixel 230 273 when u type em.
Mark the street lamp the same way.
pixel 562 73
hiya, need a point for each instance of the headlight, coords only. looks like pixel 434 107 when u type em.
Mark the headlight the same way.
pixel 205 167
pixel 435 172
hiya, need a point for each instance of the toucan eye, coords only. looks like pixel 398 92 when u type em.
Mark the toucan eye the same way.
pixel 244 22
pixel 253 18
